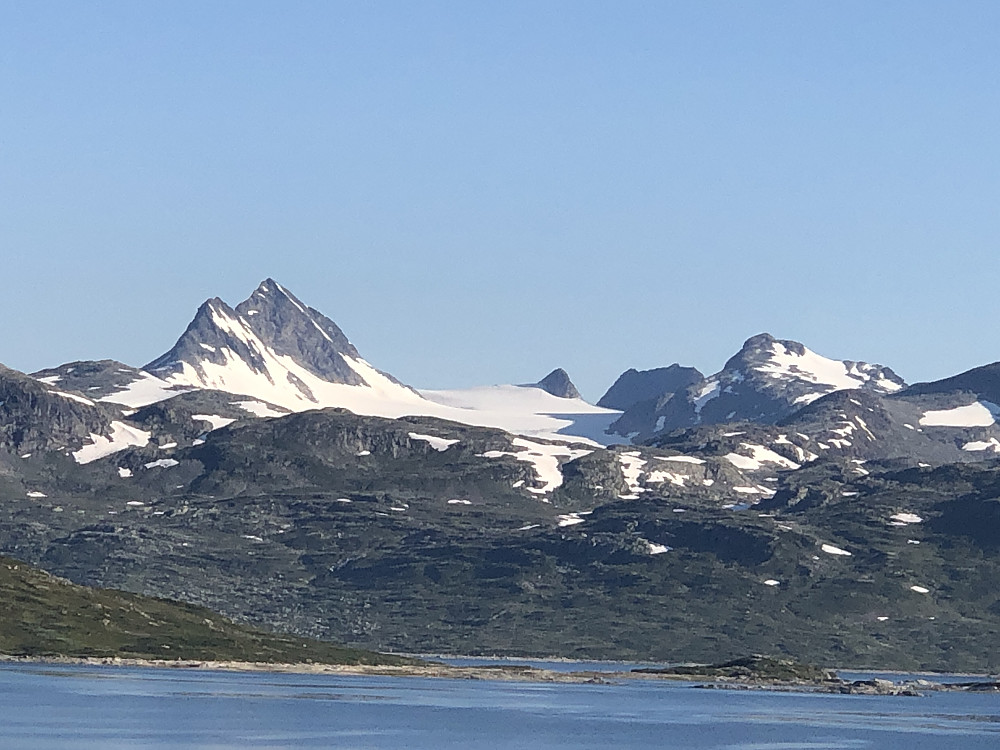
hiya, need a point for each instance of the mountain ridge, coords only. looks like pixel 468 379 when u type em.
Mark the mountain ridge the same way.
pixel 841 523
pixel 766 380
pixel 280 355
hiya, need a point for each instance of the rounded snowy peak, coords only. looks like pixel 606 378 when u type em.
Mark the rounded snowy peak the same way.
pixel 784 363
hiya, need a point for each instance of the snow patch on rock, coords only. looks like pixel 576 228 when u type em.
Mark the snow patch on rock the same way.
pixel 545 460
pixel 437 443
pixel 976 414
pixel 122 436
pixel 163 463
pixel 215 420
pixel 831 550
pixel 759 455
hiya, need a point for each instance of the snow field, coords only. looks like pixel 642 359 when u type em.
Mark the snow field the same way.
pixel 833 374
pixel 976 414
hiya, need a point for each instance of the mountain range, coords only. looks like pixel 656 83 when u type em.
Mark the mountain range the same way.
pixel 261 466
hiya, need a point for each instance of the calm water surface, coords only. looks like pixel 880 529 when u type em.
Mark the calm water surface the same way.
pixel 107 707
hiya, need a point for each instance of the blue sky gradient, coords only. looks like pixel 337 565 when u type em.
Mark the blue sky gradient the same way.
pixel 480 192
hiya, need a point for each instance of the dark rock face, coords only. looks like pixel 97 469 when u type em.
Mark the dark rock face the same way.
pixel 635 386
pixel 35 417
pixel 869 426
pixel 983 381
pixel 190 416
pixel 289 327
pixel 558 384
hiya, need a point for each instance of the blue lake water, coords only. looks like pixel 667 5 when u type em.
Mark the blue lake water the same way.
pixel 44 706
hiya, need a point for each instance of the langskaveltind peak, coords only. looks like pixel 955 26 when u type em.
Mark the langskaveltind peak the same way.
pixel 272 346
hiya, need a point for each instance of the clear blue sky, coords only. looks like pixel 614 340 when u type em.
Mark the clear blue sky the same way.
pixel 479 192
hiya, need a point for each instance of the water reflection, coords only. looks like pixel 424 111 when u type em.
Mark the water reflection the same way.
pixel 115 707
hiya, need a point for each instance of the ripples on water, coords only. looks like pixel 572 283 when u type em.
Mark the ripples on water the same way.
pixel 111 708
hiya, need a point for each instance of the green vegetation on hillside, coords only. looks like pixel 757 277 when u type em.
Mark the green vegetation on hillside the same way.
pixel 48 616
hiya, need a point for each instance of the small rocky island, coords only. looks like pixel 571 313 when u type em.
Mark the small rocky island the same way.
pixel 768 673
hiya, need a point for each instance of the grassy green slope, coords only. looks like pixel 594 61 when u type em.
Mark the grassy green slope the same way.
pixel 48 616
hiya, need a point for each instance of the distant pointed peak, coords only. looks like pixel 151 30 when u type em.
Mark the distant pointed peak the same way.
pixel 207 312
pixel 265 288
pixel 558 384
pixel 271 292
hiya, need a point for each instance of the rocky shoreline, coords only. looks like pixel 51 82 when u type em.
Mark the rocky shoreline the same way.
pixel 761 675
pixel 511 672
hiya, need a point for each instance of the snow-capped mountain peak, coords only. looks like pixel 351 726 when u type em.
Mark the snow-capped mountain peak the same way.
pixel 289 327
pixel 790 361
pixel 767 380
pixel 274 347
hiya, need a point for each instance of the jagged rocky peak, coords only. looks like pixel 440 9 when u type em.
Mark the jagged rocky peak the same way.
pixel 271 346
pixel 271 324
pixel 634 386
pixel 291 328
pixel 214 336
pixel 558 384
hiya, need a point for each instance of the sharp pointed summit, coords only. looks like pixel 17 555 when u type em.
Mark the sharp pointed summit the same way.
pixel 275 347
pixel 291 328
